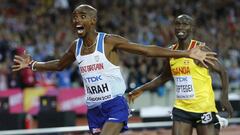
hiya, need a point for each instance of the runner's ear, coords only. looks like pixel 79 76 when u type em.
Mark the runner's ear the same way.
pixel 93 21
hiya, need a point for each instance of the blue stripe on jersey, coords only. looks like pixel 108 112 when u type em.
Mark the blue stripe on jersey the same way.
pixel 100 42
pixel 79 44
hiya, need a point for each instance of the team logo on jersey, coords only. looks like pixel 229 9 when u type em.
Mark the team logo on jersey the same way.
pixel 97 58
pixel 80 62
pixel 91 68
pixel 185 70
pixel 186 62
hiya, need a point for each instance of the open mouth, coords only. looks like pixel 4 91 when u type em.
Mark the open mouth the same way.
pixel 80 29
pixel 180 33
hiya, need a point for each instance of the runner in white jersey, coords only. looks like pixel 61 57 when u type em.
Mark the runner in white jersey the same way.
pixel 98 59
pixel 102 79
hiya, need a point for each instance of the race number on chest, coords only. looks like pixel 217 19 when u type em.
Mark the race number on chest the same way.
pixel 184 87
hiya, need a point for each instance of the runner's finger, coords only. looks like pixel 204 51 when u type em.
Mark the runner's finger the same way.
pixel 15 66
pixel 18 57
pixel 211 58
pixel 204 64
pixel 211 53
pixel 16 69
pixel 17 61
pixel 209 62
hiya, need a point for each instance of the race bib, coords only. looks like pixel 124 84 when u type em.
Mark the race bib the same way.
pixel 184 87
pixel 206 118
pixel 97 89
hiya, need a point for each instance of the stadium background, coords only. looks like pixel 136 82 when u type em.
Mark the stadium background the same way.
pixel 44 29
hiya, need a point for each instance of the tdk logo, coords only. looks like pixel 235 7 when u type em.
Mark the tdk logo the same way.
pixel 93 79
pixel 182 79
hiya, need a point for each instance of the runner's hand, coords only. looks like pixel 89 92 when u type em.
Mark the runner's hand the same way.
pixel 134 94
pixel 21 62
pixel 226 106
pixel 205 57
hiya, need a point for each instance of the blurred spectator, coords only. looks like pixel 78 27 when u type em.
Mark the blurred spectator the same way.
pixel 63 78
pixel 234 76
pixel 3 77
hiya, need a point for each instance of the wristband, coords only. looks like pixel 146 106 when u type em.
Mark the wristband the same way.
pixel 31 65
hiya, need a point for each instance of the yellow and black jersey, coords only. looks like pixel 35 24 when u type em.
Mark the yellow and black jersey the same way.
pixel 194 92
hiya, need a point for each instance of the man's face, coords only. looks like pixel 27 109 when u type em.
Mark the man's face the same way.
pixel 82 21
pixel 183 27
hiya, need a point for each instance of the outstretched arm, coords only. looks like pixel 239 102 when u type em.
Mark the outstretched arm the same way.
pixel 160 80
pixel 24 61
pixel 155 51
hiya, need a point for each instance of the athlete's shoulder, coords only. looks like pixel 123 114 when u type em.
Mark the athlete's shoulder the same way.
pixel 113 36
pixel 73 45
pixel 172 46
pixel 114 39
pixel 204 47
pixel 200 43
pixel 74 42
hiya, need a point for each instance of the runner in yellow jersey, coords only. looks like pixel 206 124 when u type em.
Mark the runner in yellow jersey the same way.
pixel 195 103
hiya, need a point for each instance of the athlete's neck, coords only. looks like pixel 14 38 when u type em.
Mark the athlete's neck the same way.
pixel 90 39
pixel 184 43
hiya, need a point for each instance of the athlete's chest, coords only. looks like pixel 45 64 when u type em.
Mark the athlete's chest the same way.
pixel 187 67
pixel 107 50
pixel 182 66
pixel 87 50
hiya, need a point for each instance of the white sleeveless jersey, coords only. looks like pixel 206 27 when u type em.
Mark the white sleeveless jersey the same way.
pixel 102 80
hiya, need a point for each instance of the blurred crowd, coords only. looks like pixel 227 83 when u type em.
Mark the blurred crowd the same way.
pixel 43 28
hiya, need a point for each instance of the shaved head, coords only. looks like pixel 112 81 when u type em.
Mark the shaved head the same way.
pixel 86 8
pixel 185 17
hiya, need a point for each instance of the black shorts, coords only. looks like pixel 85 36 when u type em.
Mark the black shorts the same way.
pixel 195 118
